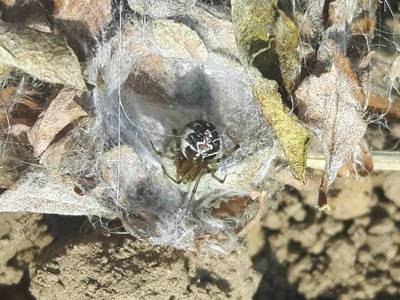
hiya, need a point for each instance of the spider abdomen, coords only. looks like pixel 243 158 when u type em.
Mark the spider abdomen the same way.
pixel 200 140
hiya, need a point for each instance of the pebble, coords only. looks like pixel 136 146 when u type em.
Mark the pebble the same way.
pixel 384 226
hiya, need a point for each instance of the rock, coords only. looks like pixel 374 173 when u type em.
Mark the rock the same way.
pixel 379 244
pixel 297 269
pixel 307 236
pixel 22 237
pixel 392 252
pixel 381 263
pixel 392 188
pixel 281 254
pixel 296 211
pixel 353 200
pixel 179 41
pixel 389 207
pixel 364 257
pixel 362 221
pixel 340 269
pixel 332 227
pixel 342 252
pixel 272 221
pixel 358 236
pixel 93 14
pixel 319 245
pixel 383 227
pixel 395 273
pixel 62 111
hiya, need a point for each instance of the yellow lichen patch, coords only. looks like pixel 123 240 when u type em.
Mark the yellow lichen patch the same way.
pixel 251 19
pixel 286 42
pixel 292 137
pixel 267 38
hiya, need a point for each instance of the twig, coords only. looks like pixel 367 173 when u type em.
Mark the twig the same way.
pixel 383 161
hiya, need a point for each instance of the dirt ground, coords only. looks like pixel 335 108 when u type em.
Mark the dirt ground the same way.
pixel 295 252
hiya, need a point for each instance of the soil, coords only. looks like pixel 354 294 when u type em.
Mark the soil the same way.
pixel 294 252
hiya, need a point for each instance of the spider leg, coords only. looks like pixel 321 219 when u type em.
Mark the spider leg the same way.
pixel 169 176
pixel 216 177
pixel 228 153
pixel 234 140
pixel 159 153
pixel 177 139
pixel 196 185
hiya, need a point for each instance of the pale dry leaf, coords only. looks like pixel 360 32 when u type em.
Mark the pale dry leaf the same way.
pixel 62 111
pixel 44 56
pixel 40 193
pixel 331 105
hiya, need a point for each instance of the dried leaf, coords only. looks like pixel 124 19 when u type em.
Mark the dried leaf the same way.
pixel 331 105
pixel 382 104
pixel 93 14
pixel 42 55
pixel 15 158
pixel 232 207
pixel 16 107
pixel 292 137
pixel 7 2
pixel 40 193
pixel 62 111
pixel 360 164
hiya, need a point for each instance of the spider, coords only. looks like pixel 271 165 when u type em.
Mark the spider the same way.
pixel 198 151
